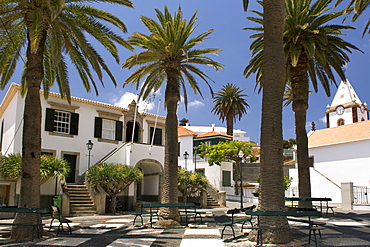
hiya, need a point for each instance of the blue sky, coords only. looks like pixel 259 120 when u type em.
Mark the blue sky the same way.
pixel 227 19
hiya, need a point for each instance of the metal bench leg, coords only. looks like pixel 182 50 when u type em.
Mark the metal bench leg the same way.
pixel 222 232
pixel 70 230
pixel 51 223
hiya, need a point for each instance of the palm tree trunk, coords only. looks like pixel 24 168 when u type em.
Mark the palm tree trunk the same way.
pixel 300 105
pixel 230 124
pixel 170 175
pixel 31 142
pixel 273 80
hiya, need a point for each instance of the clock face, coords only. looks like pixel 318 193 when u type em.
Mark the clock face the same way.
pixel 340 110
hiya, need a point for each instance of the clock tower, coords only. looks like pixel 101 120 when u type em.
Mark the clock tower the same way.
pixel 346 107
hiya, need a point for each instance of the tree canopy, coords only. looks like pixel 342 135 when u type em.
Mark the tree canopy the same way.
pixel 191 182
pixel 113 179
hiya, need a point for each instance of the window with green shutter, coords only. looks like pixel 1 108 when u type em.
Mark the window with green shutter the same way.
pixel 226 178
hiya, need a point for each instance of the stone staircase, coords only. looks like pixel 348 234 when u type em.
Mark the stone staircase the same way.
pixel 81 203
pixel 211 202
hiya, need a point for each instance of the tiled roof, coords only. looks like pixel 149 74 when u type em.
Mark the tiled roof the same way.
pixel 212 133
pixel 182 131
pixel 341 134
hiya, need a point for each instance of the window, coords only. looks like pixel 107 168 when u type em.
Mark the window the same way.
pixel 62 122
pixel 108 129
pixel 340 122
pixel 157 140
pixel 226 178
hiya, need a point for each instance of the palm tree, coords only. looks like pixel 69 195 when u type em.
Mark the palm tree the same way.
pixel 357 7
pixel 169 55
pixel 229 104
pixel 313 50
pixel 48 31
pixel 272 179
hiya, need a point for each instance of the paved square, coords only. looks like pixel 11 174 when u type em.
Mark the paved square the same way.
pixel 72 241
pixel 202 232
pixel 107 225
pixel 202 242
pixel 345 242
pixel 90 231
pixel 134 242
pixel 145 231
pixel 120 221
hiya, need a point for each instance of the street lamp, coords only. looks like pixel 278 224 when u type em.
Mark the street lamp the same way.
pixel 89 146
pixel 241 155
pixel 195 149
pixel 186 156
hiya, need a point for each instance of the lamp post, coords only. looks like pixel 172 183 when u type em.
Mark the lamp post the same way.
pixel 89 146
pixel 186 156
pixel 241 154
pixel 195 149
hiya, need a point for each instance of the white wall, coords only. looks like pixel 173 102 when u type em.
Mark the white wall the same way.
pixel 336 164
pixel 186 144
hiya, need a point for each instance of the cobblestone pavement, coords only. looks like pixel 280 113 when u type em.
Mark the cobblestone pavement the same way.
pixel 342 229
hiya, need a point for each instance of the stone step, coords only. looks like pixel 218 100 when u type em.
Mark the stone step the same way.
pixel 83 209
pixel 83 213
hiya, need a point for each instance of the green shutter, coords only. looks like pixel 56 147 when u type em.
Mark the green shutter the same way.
pixel 119 127
pixel 49 119
pixel 74 123
pixel 226 178
pixel 98 127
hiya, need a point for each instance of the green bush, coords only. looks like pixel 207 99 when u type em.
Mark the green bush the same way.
pixel 50 166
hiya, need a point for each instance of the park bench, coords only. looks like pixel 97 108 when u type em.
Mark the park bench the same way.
pixel 57 215
pixel 313 199
pixel 195 212
pixel 312 227
pixel 35 225
pixel 154 211
pixel 234 220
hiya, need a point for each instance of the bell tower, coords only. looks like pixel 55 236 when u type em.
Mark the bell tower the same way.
pixel 346 107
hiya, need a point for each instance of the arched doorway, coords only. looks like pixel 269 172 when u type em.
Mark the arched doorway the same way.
pixel 149 188
pixel 130 130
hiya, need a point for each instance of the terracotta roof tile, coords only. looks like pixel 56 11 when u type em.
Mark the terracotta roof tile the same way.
pixel 182 131
pixel 340 134
pixel 213 133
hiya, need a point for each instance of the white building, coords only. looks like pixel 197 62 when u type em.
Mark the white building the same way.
pixel 119 135
pixel 66 128
pixel 340 151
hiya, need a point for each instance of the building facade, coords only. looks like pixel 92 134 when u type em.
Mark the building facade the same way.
pixel 118 135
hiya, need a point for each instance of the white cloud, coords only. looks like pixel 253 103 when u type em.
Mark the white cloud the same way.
pixel 196 104
pixel 128 97
pixel 323 119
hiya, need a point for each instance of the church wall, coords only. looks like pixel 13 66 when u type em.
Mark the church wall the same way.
pixel 339 163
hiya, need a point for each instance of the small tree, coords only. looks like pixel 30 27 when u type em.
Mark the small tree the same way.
pixel 190 182
pixel 51 166
pixel 228 151
pixel 113 178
